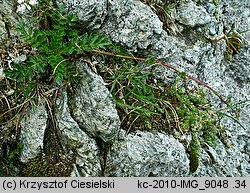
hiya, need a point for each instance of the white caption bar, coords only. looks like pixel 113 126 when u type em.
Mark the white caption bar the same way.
pixel 124 185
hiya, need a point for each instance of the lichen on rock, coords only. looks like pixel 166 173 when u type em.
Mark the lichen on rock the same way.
pixel 86 114
pixel 144 154
pixel 93 108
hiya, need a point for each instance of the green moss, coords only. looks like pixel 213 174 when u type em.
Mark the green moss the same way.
pixel 194 161
pixel 41 166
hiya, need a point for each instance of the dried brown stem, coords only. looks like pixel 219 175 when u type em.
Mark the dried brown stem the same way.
pixel 166 65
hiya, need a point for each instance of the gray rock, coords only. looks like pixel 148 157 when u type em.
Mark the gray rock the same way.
pixel 223 162
pixel 33 126
pixel 236 12
pixel 239 68
pixel 2 75
pixel 92 107
pixel 3 31
pixel 133 24
pixel 91 12
pixel 20 59
pixel 192 15
pixel 198 57
pixel 87 158
pixel 8 19
pixel 147 154
pixel 92 111
pixel 128 22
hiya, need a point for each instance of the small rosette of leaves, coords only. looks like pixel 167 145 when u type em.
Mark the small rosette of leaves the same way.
pixel 55 44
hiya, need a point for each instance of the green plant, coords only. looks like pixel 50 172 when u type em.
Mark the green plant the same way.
pixel 163 10
pixel 234 41
pixel 132 93
pixel 142 102
pixel 40 166
pixel 55 44
pixel 9 161
pixel 147 104
pixel 216 3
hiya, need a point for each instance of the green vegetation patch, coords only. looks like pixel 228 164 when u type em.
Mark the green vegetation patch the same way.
pixel 54 44
pixel 40 166
pixel 9 159
pixel 143 102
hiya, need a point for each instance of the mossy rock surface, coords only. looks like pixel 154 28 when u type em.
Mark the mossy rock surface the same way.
pixel 40 166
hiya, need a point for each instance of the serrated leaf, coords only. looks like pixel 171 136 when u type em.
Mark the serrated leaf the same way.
pixel 30 73
pixel 40 67
pixel 54 60
pixel 30 31
pixel 70 50
pixel 84 40
pixel 103 42
pixel 59 77
pixel 73 18
pixel 93 38
pixel 20 77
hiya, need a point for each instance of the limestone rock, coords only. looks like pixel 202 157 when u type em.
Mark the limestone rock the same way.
pixel 92 12
pixel 33 126
pixel 144 154
pixel 8 19
pixel 92 107
pixel 223 162
pixel 87 152
pixel 89 112
pixel 128 22
pixel 3 31
pixel 192 15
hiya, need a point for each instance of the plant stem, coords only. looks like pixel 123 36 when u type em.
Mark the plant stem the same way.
pixel 168 66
